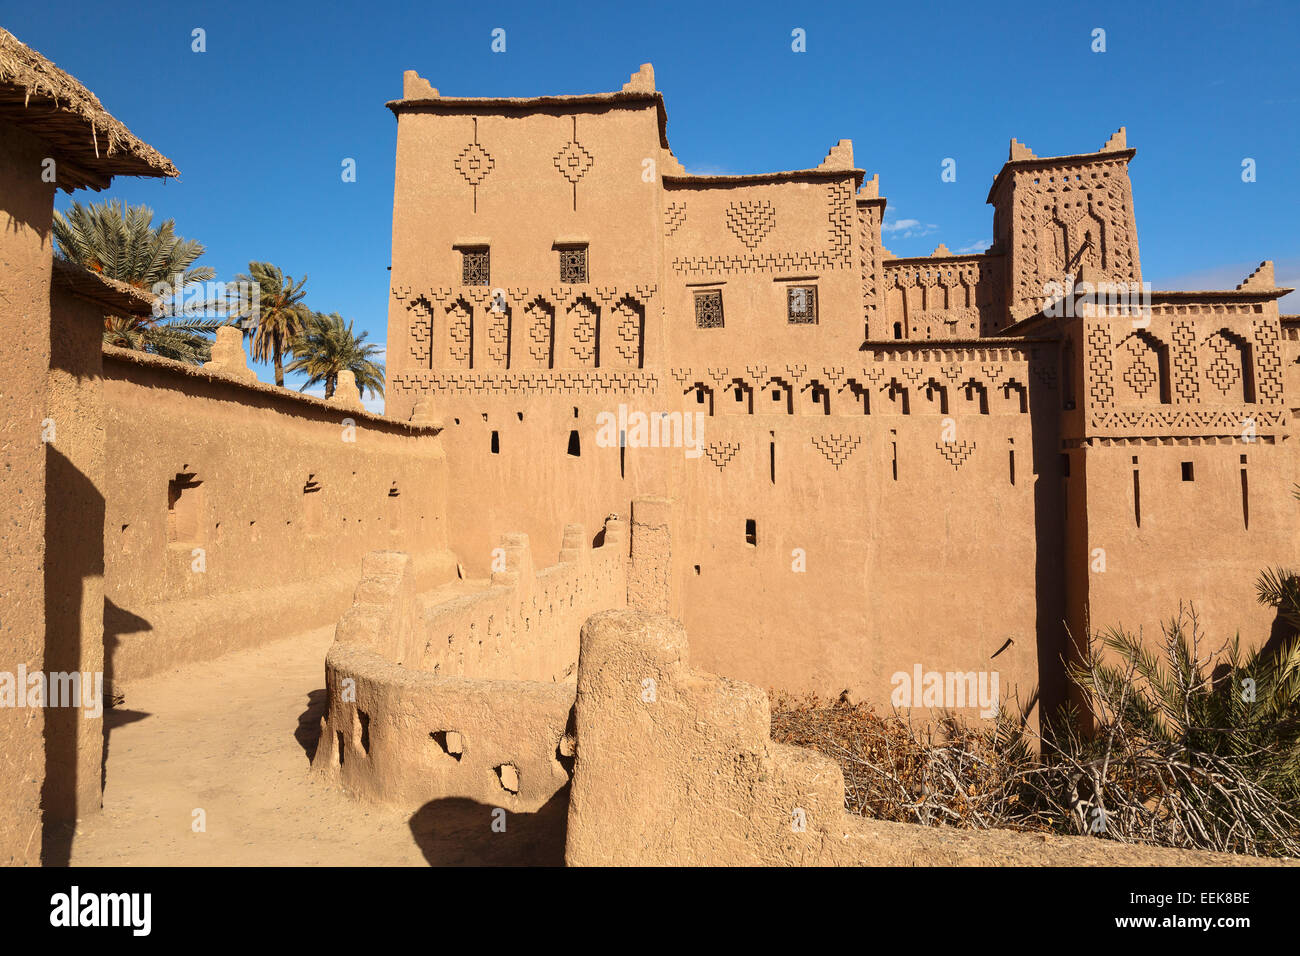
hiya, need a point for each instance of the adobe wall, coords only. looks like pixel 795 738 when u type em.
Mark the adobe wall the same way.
pixel 25 255
pixel 915 549
pixel 436 696
pixel 829 499
pixel 524 624
pixel 237 511
pixel 676 766
pixel 1181 444
pixel 74 554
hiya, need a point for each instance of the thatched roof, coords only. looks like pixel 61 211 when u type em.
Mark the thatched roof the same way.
pixel 116 297
pixel 89 144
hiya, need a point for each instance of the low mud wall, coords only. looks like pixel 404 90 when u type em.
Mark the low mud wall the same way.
pixel 421 707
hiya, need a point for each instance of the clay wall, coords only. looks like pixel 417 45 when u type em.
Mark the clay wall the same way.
pixel 444 695
pixel 675 766
pixel 237 512
pixel 26 204
pixel 752 243
pixel 959 297
pixel 1183 432
pixel 74 557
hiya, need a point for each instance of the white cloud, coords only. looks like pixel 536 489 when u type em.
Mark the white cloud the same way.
pixel 973 247
pixel 907 228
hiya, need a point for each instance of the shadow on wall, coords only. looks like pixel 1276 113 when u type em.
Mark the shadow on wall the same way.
pixel 455 831
pixel 309 722
pixel 74 551
pixel 117 621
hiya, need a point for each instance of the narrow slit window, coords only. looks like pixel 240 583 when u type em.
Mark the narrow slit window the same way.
pixel 575 444
pixel 496 443
pixel 751 532
pixel 1189 473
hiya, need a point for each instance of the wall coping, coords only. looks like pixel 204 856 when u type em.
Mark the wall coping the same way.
pixel 183 371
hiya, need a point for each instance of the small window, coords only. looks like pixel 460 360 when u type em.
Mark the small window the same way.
pixel 313 517
pixel 708 309
pixel 496 443
pixel 1188 472
pixel 898 330
pixel 575 444
pixel 475 267
pixel 751 531
pixel 184 510
pixel 801 304
pixel 573 264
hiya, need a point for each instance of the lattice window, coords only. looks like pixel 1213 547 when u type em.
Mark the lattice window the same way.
pixel 573 265
pixel 708 309
pixel 475 267
pixel 801 304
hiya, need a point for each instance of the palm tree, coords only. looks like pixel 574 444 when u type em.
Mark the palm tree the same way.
pixel 122 243
pixel 326 347
pixel 278 315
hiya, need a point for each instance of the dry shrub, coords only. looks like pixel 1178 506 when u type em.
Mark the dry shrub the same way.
pixel 1177 752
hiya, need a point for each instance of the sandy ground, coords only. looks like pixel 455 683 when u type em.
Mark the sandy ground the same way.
pixel 232 737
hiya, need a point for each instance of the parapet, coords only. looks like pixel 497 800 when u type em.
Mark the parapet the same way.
pixel 228 355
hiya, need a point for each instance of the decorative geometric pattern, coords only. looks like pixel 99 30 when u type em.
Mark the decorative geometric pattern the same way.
pixel 1268 363
pixel 1079 215
pixel 1224 372
pixel 421 330
pixel 459 330
pixel 721 452
pixel 475 267
pixel 1101 388
pixel 801 305
pixel 628 321
pixel 474 163
pixel 839 198
pixel 540 322
pixel 585 321
pixel 1139 375
pixel 836 448
pixel 708 309
pixel 751 220
pixel 540 381
pixel 1186 383
pixel 498 334
pixel 838 253
pixel 573 161
pixel 1158 421
pixel 674 216
pixel 573 265
pixel 956 452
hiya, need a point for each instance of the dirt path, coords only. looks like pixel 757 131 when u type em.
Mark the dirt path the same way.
pixel 231 737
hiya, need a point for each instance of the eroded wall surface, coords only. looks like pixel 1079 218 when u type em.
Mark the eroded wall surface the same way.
pixel 676 766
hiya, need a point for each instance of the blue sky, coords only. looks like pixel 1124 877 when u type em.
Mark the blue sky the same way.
pixel 261 122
